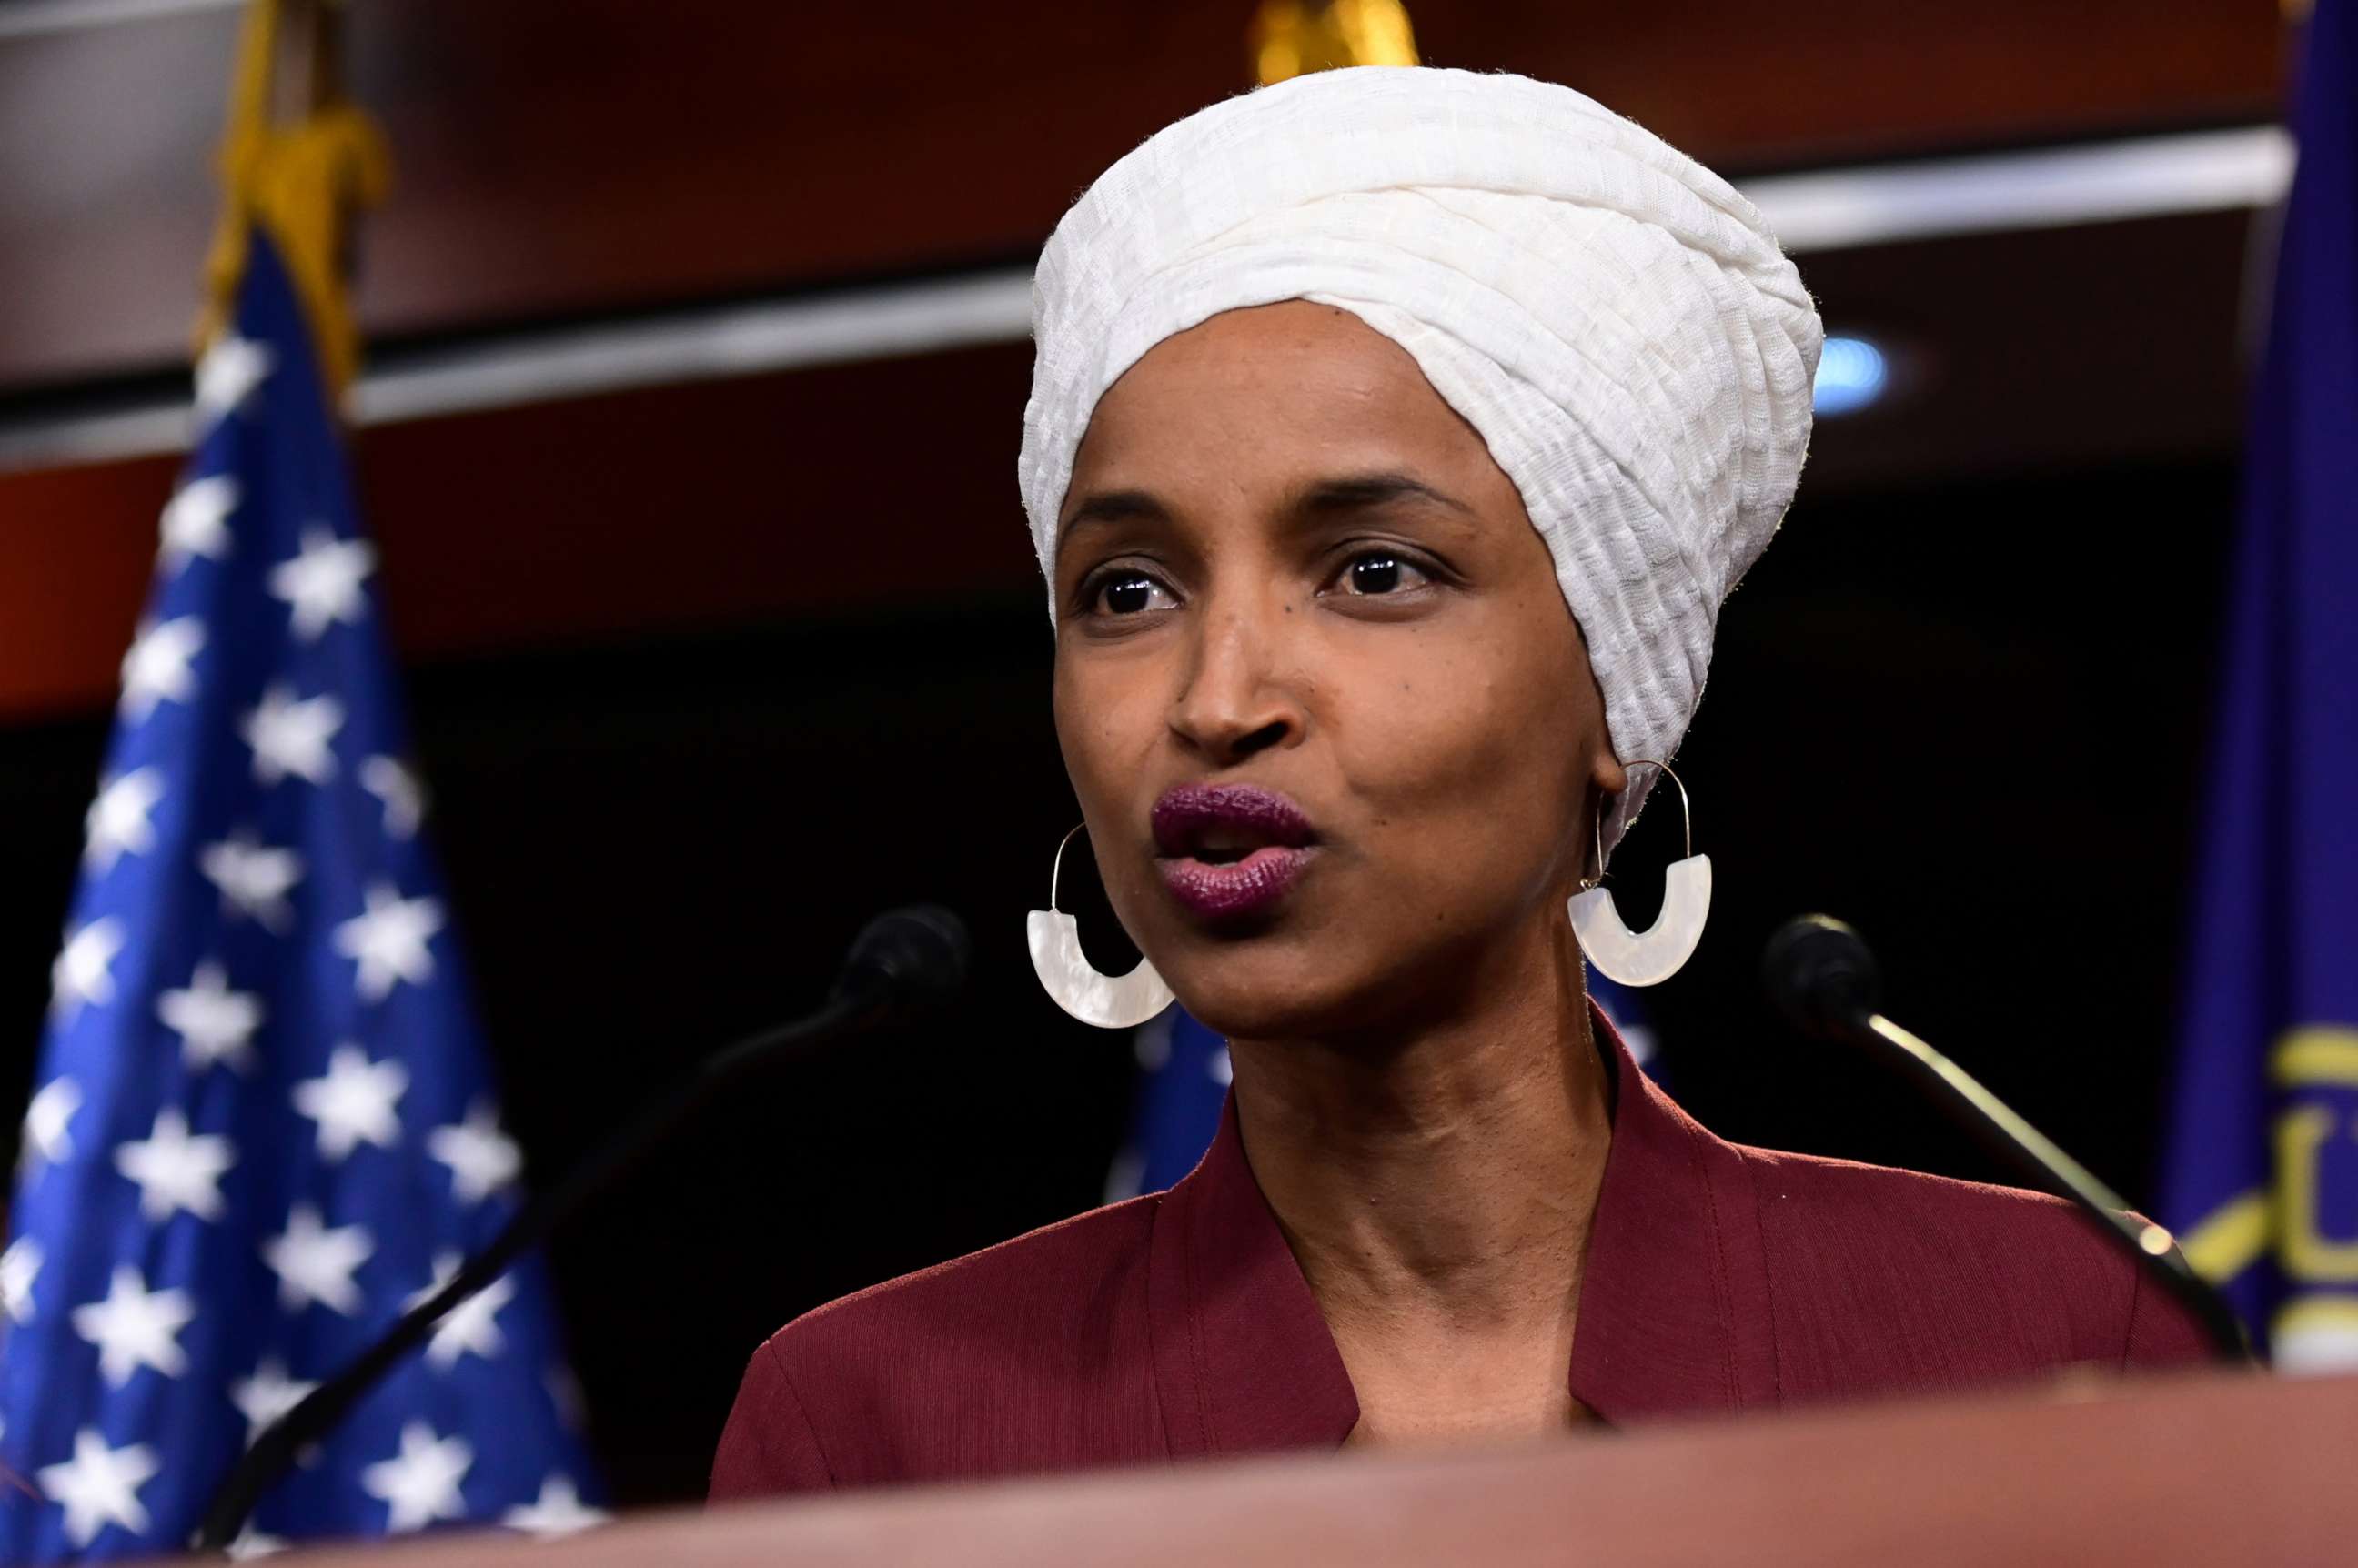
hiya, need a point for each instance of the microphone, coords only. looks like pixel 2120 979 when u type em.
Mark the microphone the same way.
pixel 902 964
pixel 1822 978
pixel 908 958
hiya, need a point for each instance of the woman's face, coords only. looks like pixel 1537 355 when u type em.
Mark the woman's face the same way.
pixel 1290 572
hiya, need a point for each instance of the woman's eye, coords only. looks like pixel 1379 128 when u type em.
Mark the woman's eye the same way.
pixel 1130 593
pixel 1378 572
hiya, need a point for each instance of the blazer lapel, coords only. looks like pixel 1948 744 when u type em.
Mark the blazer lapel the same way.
pixel 1674 1306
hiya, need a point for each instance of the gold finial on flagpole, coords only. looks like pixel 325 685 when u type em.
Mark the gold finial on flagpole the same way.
pixel 299 161
pixel 1294 37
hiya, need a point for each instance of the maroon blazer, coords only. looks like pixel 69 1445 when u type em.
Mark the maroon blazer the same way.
pixel 1719 1278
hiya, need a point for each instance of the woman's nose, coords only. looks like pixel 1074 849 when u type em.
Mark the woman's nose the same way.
pixel 1231 703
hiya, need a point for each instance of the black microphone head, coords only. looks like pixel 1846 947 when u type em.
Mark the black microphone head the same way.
pixel 1821 976
pixel 908 958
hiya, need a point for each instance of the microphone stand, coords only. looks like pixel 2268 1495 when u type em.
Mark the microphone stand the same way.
pixel 1821 974
pixel 2043 1162
pixel 852 1008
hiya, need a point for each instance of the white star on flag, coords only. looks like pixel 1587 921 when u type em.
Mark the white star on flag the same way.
pixel 157 668
pixel 420 1484
pixel 267 1395
pixel 403 797
pixel 196 521
pixel 116 823
pixel 315 1264
pixel 175 1170
pixel 100 1486
pixel 215 1022
pixel 47 1122
pixel 471 1326
pixel 135 1328
pixel 323 581
pixel 481 1158
pixel 232 367
pixel 84 972
pixel 291 737
pixel 558 1511
pixel 388 940
pixel 19 1267
pixel 253 880
pixel 353 1103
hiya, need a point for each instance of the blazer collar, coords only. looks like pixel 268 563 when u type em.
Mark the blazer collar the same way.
pixel 1673 1302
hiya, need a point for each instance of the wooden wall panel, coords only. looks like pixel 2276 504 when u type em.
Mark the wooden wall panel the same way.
pixel 568 157
pixel 76 547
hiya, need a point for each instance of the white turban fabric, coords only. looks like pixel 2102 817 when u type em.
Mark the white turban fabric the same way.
pixel 1613 318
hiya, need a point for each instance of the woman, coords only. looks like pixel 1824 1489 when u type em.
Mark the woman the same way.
pixel 1395 436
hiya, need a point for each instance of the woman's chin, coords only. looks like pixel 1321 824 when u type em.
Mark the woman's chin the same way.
pixel 1246 995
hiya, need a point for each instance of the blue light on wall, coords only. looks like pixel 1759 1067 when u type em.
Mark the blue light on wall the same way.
pixel 1852 373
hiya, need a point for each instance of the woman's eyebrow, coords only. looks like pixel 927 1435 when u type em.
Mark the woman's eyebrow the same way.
pixel 1113 506
pixel 1322 497
pixel 1354 493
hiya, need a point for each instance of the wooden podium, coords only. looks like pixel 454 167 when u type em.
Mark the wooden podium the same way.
pixel 2200 1469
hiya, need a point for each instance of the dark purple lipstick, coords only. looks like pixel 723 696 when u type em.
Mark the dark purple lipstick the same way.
pixel 1230 851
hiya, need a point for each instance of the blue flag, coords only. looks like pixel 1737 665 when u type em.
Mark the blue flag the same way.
pixel 1183 1080
pixel 2262 1183
pixel 262 1121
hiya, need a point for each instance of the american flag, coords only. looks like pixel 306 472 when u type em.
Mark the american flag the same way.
pixel 262 1121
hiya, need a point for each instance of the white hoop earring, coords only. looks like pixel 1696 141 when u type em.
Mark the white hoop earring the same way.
pixel 1072 983
pixel 1651 956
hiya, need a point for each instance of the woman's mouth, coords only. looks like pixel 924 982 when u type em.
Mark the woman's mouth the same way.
pixel 1230 851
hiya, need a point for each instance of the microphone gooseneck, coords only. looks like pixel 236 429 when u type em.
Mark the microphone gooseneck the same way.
pixel 1822 975
pixel 901 964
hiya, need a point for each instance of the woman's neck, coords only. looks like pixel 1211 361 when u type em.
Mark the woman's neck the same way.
pixel 1437 1187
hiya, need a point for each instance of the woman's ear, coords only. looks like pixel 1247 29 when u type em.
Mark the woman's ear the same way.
pixel 1605 769
pixel 1611 778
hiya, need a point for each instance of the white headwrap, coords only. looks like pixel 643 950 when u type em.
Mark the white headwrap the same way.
pixel 1613 318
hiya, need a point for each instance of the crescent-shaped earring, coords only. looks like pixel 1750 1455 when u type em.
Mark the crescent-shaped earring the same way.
pixel 1109 1001
pixel 1651 956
